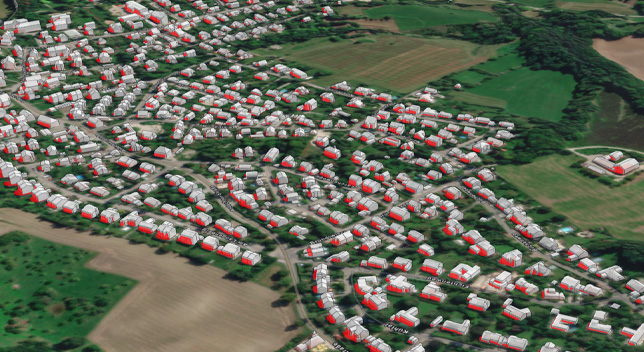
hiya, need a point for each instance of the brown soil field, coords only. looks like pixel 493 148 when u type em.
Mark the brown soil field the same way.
pixel 175 306
pixel 627 52
pixel 387 25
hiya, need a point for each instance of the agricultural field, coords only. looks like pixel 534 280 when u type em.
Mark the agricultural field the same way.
pixel 48 294
pixel 609 6
pixel 176 306
pixel 627 52
pixel 412 17
pixel 386 62
pixel 524 92
pixel 585 202
pixel 614 124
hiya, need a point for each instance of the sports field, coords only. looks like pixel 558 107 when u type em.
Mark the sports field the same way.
pixel 385 62
pixel 586 202
pixel 542 94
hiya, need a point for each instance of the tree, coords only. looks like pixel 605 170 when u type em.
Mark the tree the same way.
pixel 70 343
pixel 288 297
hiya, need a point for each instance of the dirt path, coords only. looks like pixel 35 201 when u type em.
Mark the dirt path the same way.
pixel 627 52
pixel 176 306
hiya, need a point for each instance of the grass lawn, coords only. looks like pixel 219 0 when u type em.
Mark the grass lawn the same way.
pixel 410 17
pixel 542 94
pixel 48 294
pixel 614 124
pixel 585 202
pixel 385 62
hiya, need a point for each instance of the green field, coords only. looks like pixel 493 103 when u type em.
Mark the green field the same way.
pixel 615 124
pixel 609 6
pixel 386 62
pixel 410 17
pixel 543 94
pixel 587 203
pixel 534 3
pixel 48 295
pixel 470 77
pixel 502 64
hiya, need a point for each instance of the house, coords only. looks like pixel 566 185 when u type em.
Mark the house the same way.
pixel 464 272
pixel 370 243
pixel 538 269
pixel 110 215
pixel 452 227
pixel 399 213
pixel 512 258
pixel 433 292
pixel 210 243
pixel 314 251
pixel 403 264
pixel 166 231
pixel 374 262
pixel 432 266
pixel 354 331
pixel 251 258
pixel 149 227
pixel 342 239
pixel 635 337
pixel 552 294
pixel 376 300
pixel 229 250
pixel 562 322
pixel 189 237
pixel 532 231
pixel 415 236
pixel 89 211
pixel 524 286
pixel 483 248
pixel 335 316
pixel 407 317
pixel 501 280
pixel 515 313
pixel 612 273
pixel 477 303
pixel 460 329
pixel 338 218
pixel 576 252
pixel 360 230
pixel 341 257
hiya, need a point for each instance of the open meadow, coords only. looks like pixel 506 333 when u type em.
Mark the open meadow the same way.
pixel 176 306
pixel 387 62
pixel 584 201
pixel 614 124
pixel 411 17
pixel 543 94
